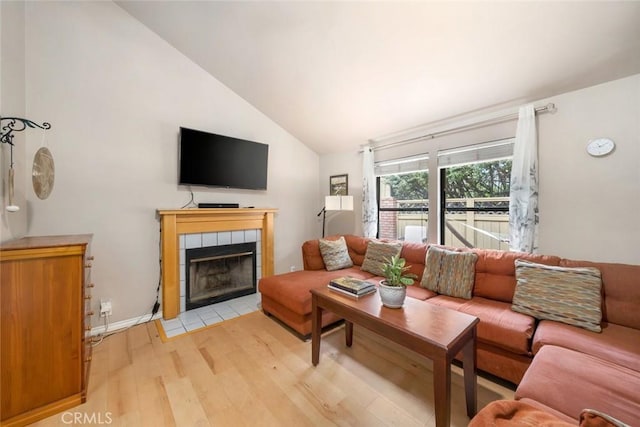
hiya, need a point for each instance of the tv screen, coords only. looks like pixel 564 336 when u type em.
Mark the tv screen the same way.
pixel 222 161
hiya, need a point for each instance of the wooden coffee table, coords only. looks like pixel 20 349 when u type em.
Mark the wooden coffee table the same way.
pixel 435 332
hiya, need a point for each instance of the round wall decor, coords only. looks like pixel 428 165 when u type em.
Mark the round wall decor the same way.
pixel 43 173
pixel 599 147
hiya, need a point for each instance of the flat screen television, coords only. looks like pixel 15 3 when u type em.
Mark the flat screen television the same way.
pixel 215 160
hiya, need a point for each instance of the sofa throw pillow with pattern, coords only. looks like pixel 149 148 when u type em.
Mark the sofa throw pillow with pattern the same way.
pixel 568 295
pixel 449 272
pixel 457 274
pixel 377 254
pixel 335 254
pixel 432 263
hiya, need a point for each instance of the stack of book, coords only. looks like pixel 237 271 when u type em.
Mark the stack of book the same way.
pixel 352 286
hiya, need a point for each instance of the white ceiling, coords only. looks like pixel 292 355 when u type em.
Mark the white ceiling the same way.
pixel 336 74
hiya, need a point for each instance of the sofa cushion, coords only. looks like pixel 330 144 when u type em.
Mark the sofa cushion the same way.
pixel 568 295
pixel 311 256
pixel 615 343
pixel 292 289
pixel 447 301
pixel 335 254
pixel 378 253
pixel 499 326
pixel 419 293
pixel 414 253
pixel 621 284
pixel 570 382
pixel 357 248
pixel 496 272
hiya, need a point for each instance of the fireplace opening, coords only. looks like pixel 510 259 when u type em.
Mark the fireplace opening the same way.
pixel 219 273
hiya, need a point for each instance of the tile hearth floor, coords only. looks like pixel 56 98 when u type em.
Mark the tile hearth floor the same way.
pixel 215 313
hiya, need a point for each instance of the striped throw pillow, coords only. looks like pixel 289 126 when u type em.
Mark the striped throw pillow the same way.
pixel 431 272
pixel 457 274
pixel 377 254
pixel 335 254
pixel 449 273
pixel 568 295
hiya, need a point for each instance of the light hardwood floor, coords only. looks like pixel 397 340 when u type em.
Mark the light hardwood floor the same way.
pixel 251 371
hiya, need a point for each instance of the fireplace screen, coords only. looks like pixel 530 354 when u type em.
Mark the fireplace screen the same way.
pixel 219 273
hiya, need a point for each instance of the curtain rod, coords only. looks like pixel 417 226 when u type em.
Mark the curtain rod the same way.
pixel 549 108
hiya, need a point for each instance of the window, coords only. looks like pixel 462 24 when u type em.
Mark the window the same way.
pixel 403 199
pixel 474 195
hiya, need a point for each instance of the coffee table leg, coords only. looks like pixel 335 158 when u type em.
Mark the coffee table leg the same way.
pixel 316 330
pixel 470 375
pixel 348 333
pixel 442 391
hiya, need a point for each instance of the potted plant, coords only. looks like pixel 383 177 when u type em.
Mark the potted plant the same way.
pixel 393 289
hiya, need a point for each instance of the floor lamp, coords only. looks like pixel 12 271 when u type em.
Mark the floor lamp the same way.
pixel 335 203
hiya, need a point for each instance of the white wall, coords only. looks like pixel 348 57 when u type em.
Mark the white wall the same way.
pixel 12 104
pixel 116 95
pixel 589 208
pixel 342 222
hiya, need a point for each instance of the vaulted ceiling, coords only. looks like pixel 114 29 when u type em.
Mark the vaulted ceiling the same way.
pixel 336 74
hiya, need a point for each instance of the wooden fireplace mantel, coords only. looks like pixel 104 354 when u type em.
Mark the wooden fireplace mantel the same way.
pixel 188 221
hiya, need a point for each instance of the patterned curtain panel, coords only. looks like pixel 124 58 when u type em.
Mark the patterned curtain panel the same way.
pixel 523 198
pixel 369 206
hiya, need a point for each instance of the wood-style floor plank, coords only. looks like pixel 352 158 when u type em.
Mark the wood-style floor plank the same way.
pixel 252 371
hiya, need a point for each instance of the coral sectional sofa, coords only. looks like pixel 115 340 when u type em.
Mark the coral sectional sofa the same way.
pixel 508 341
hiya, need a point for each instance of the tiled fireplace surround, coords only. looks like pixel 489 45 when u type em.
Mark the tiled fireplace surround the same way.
pixel 203 240
pixel 189 228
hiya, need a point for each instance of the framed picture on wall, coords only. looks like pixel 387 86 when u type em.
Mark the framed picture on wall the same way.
pixel 339 185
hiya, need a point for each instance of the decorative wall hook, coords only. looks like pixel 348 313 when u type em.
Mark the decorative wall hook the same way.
pixel 8 125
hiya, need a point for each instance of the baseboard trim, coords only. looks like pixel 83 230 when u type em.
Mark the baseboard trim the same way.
pixel 123 324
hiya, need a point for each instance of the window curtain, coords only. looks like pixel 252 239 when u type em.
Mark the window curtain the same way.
pixel 523 197
pixel 369 204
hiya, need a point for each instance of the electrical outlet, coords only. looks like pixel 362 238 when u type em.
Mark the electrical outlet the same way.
pixel 105 308
pixel 292 268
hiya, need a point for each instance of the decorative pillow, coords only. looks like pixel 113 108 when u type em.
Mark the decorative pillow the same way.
pixel 593 418
pixel 449 272
pixel 457 274
pixel 568 295
pixel 377 254
pixel 335 254
pixel 431 272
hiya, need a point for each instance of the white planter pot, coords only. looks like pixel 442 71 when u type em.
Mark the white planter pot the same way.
pixel 392 296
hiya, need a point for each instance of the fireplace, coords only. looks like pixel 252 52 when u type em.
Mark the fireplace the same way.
pixel 175 223
pixel 219 273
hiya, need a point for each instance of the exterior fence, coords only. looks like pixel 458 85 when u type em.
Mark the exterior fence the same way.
pixel 488 230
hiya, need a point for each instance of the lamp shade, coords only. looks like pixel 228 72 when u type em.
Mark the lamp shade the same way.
pixel 347 203
pixel 338 203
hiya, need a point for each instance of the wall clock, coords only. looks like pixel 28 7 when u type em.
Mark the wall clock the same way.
pixel 599 147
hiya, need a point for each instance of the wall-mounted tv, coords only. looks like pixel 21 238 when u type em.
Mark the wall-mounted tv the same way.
pixel 215 160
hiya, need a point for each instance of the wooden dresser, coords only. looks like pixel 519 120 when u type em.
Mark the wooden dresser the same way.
pixel 45 349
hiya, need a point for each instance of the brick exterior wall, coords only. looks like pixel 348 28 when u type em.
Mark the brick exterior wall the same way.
pixel 388 221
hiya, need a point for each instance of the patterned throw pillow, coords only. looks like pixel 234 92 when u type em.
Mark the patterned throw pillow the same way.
pixel 449 273
pixel 567 295
pixel 377 254
pixel 457 274
pixel 431 272
pixel 335 254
